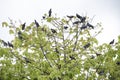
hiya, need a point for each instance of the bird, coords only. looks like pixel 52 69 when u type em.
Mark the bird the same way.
pixel 83 19
pixel 86 46
pixel 37 24
pixel 78 16
pixel 53 31
pixel 112 42
pixel 50 12
pixel 70 16
pixel 10 44
pixel 27 60
pixel 101 72
pixel 118 63
pixel 76 22
pixel 23 26
pixel 83 27
pixel 65 27
pixel 88 24
pixel 20 35
pixel 4 43
pixel 72 58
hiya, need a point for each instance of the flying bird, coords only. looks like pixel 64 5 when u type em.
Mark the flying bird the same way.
pixel 86 46
pixel 53 31
pixel 37 24
pixel 50 12
pixel 112 42
pixel 88 24
pixel 23 26
pixel 10 44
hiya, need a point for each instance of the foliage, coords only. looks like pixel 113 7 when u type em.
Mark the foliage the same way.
pixel 58 49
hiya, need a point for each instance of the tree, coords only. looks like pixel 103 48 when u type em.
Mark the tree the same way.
pixel 58 49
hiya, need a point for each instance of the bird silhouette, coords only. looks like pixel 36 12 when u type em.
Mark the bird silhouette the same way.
pixel 65 27
pixel 53 31
pixel 23 26
pixel 50 12
pixel 20 35
pixel 76 22
pixel 10 44
pixel 4 43
pixel 83 27
pixel 37 24
pixel 86 46
pixel 70 16
pixel 78 16
pixel 118 63
pixel 88 24
pixel 72 58
pixel 112 42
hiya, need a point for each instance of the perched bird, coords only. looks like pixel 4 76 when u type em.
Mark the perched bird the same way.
pixel 53 31
pixel 50 12
pixel 88 24
pixel 98 54
pixel 37 24
pixel 72 58
pixel 86 46
pixel 20 35
pixel 83 19
pixel 4 43
pixel 76 22
pixel 27 60
pixel 101 72
pixel 83 27
pixel 112 42
pixel 70 17
pixel 10 44
pixel 65 27
pixel 118 63
pixel 78 16
pixel 23 26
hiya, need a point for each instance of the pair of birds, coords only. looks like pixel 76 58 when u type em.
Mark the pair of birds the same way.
pixel 7 44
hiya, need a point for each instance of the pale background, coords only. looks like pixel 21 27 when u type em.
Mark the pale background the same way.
pixel 105 11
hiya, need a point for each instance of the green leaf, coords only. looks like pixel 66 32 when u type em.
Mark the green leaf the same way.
pixel 11 31
pixel 4 24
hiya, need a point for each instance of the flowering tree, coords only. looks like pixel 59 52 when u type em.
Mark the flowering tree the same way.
pixel 58 49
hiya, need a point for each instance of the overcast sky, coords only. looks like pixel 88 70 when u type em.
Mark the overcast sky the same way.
pixel 105 11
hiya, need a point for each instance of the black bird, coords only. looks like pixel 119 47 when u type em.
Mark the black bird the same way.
pixel 78 16
pixel 86 46
pixel 53 31
pixel 4 43
pixel 10 44
pixel 112 42
pixel 20 35
pixel 70 17
pixel 101 72
pixel 50 12
pixel 27 60
pixel 83 19
pixel 118 63
pixel 37 24
pixel 23 26
pixel 83 27
pixel 65 27
pixel 76 22
pixel 88 24
pixel 72 58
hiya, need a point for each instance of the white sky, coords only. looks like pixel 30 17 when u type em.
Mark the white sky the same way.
pixel 105 11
